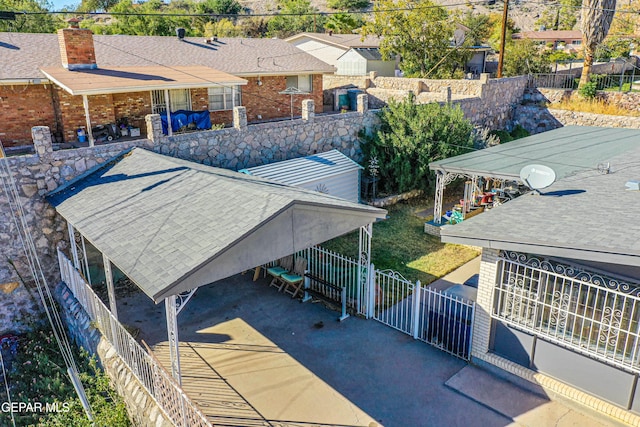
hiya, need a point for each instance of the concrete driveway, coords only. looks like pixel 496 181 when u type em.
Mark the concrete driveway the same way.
pixel 270 360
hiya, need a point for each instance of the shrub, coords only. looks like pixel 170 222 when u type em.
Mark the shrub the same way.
pixel 588 90
pixel 38 374
pixel 411 136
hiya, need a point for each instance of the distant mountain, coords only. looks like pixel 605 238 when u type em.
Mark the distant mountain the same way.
pixel 523 13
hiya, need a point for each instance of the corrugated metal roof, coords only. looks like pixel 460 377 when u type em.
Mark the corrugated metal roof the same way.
pixel 566 150
pixel 171 225
pixel 306 169
pixel 370 54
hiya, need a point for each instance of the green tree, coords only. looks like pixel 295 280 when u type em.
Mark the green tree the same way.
pixel 348 5
pixel 343 23
pixel 219 7
pixel 222 28
pixel 524 57
pixel 254 27
pixel 96 5
pixel 153 24
pixel 597 16
pixel 30 23
pixel 419 31
pixel 480 27
pixel 561 16
pixel 297 16
pixel 411 136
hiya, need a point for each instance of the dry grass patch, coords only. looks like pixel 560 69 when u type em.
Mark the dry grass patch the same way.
pixel 596 106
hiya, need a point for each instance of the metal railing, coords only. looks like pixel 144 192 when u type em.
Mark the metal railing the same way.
pixel 585 311
pixel 435 317
pixel 337 269
pixel 160 385
pixel 612 82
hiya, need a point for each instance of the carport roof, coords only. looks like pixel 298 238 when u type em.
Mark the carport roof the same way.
pixel 566 150
pixel 171 225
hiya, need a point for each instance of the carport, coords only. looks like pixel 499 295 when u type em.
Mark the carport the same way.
pixel 566 150
pixel 173 226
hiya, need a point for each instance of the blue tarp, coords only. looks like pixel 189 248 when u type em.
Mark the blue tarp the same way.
pixel 182 118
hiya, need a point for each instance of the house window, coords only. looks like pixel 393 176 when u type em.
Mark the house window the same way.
pixel 224 97
pixel 302 82
pixel 588 312
pixel 576 42
pixel 179 99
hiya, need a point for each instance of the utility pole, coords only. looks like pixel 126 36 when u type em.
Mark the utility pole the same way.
pixel 503 38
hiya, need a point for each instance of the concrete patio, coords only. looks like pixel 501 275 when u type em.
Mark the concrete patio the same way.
pixel 254 357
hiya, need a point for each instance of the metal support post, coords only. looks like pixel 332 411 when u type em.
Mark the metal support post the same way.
pixel 371 292
pixel 167 106
pixel 73 246
pixel 85 103
pixel 306 296
pixel 437 202
pixel 415 312
pixel 343 297
pixel 364 259
pixel 87 273
pixel 110 288
pixel 171 309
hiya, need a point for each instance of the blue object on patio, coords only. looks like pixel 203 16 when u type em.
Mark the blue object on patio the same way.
pixel 285 265
pixel 181 118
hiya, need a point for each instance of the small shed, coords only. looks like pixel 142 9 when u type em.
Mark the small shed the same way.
pixel 330 172
pixel 360 61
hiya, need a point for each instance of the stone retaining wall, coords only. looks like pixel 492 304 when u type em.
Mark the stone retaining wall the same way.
pixel 235 148
pixel 628 100
pixel 142 409
pixel 539 119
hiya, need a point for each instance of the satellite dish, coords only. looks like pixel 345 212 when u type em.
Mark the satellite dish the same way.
pixel 458 37
pixel 537 176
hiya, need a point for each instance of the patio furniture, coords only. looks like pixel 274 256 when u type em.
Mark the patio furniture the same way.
pixel 292 282
pixel 285 265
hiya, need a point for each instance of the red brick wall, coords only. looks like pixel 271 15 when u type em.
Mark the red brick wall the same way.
pixel 76 46
pixel 101 112
pixel 134 106
pixel 265 100
pixel 21 108
pixel 200 102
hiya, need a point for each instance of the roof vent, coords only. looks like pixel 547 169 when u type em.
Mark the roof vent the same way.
pixel 73 23
pixel 180 32
pixel 633 185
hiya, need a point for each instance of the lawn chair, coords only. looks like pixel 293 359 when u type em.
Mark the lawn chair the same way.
pixel 285 265
pixel 292 282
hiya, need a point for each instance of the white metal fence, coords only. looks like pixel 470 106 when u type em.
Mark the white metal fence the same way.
pixel 159 384
pixel 435 317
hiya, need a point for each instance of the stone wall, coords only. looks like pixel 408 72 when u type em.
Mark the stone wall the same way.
pixel 333 81
pixel 34 176
pixel 235 148
pixel 627 100
pixel 258 144
pixel 142 409
pixel 539 119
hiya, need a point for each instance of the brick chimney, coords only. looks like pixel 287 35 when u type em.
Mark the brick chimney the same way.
pixel 76 47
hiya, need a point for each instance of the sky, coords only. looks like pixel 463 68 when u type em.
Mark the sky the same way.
pixel 59 4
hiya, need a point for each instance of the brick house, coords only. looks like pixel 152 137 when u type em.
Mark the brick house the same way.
pixel 568 40
pixel 60 80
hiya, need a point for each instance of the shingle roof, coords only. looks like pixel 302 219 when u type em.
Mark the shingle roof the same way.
pixel 549 35
pixel 345 41
pixel 171 225
pixel 587 215
pixel 23 54
pixel 566 150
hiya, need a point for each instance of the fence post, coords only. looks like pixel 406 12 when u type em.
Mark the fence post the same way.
pixel 415 312
pixel 371 291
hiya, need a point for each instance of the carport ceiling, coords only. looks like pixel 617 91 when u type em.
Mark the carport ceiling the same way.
pixel 171 225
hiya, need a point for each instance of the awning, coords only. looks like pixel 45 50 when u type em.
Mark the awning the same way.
pixel 566 150
pixel 171 225
pixel 135 79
